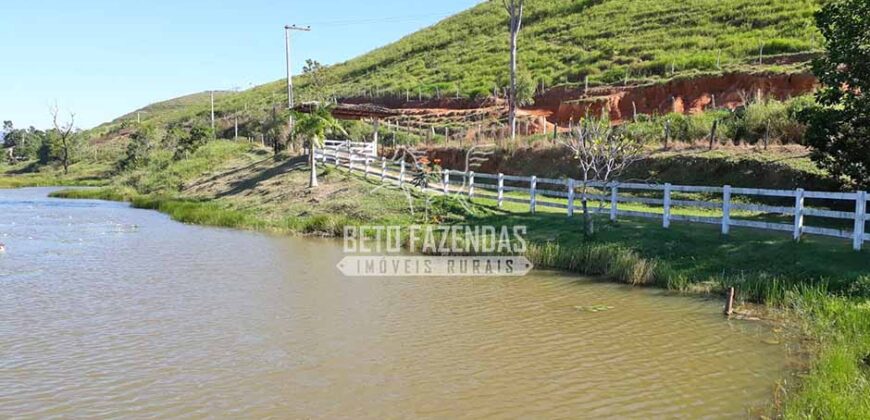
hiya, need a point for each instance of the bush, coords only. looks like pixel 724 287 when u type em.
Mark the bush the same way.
pixel 139 150
pixel 614 75
pixel 198 135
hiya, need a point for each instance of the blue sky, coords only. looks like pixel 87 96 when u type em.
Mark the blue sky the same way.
pixel 102 58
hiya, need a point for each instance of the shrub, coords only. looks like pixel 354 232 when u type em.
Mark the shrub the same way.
pixel 139 150
pixel 198 135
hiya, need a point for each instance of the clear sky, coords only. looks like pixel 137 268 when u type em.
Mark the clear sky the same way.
pixel 104 58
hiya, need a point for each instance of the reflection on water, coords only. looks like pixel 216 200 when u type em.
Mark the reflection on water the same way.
pixel 106 310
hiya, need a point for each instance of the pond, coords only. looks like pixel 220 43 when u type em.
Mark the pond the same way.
pixel 111 311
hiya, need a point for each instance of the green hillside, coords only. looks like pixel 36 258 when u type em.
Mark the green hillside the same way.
pixel 563 41
pixel 180 103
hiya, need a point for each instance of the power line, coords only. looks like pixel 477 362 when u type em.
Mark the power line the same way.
pixel 393 19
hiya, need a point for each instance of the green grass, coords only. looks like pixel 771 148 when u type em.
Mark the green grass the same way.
pixel 837 385
pixel 777 168
pixel 562 42
pixel 693 257
pixel 351 202
pixel 565 40
pixel 29 174
pixel 164 174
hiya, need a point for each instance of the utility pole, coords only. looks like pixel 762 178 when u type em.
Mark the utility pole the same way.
pixel 290 102
pixel 212 113
pixel 287 29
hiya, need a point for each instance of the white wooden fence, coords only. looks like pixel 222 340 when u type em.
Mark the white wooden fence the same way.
pixel 563 194
pixel 361 148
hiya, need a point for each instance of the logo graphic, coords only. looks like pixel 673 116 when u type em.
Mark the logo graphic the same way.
pixel 445 250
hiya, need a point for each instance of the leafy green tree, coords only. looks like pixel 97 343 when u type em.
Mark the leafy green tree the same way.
pixel 525 91
pixel 839 128
pixel 314 127
pixel 141 145
pixel 197 135
pixel 8 134
pixel 318 80
pixel 525 87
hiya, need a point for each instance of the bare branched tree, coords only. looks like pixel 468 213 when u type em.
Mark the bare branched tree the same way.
pixel 515 10
pixel 65 132
pixel 603 154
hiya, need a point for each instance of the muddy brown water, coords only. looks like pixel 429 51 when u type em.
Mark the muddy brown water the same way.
pixel 107 311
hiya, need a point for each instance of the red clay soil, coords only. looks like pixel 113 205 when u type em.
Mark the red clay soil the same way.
pixel 686 96
pixel 561 105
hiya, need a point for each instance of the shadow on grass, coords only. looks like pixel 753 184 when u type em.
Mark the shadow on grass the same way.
pixel 253 181
pixel 700 253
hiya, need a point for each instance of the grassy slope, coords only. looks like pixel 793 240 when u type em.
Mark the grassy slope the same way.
pixel 194 99
pixel 776 168
pixel 562 42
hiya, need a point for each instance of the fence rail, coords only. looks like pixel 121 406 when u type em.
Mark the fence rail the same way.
pixel 525 190
pixel 357 147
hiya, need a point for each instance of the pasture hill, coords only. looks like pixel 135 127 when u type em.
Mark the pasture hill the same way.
pixel 653 56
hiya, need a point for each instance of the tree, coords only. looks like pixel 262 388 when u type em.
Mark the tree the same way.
pixel 525 87
pixel 196 136
pixel 839 128
pixel 275 128
pixel 318 80
pixel 11 136
pixel 32 143
pixel 515 12
pixel 65 138
pixel 142 143
pixel 314 127
pixel 603 153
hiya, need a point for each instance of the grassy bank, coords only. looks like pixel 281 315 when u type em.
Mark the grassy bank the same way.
pixel 342 200
pixel 29 174
pixel 780 167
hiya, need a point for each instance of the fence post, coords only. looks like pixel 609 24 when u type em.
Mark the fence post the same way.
pixel 500 190
pixel 402 174
pixel 533 195
pixel 666 216
pixel 726 210
pixel 571 197
pixel 471 184
pixel 323 156
pixel 350 163
pixel 614 202
pixel 383 170
pixel 860 220
pixel 446 182
pixel 368 166
pixel 798 214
